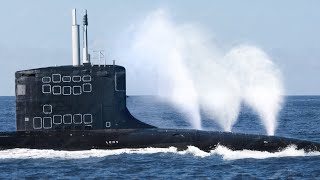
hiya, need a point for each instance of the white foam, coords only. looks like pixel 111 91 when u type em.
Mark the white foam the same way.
pixel 290 151
pixel 222 151
pixel 19 153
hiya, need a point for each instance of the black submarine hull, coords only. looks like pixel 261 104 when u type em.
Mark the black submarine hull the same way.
pixel 143 138
pixel 83 106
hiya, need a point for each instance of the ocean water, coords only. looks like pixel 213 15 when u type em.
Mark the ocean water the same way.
pixel 299 118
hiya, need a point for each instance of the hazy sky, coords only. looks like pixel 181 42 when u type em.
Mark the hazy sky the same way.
pixel 38 33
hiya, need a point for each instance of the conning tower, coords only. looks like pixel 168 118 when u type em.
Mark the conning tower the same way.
pixel 75 97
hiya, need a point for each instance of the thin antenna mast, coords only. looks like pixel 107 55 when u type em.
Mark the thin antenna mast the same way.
pixel 85 54
pixel 75 40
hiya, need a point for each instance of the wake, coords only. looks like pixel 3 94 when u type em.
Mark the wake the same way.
pixel 223 152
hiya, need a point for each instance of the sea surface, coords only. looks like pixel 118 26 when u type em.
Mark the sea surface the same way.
pixel 299 118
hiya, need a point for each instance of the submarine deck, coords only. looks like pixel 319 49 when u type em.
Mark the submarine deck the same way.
pixel 144 138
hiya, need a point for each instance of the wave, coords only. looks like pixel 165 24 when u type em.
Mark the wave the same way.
pixel 290 151
pixel 224 152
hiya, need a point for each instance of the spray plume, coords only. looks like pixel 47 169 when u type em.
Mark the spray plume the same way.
pixel 181 64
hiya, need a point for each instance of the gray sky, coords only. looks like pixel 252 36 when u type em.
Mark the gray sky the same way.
pixel 38 33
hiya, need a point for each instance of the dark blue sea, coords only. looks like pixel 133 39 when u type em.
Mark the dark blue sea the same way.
pixel 299 118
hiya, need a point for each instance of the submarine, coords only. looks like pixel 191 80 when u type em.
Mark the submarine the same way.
pixel 83 106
